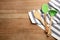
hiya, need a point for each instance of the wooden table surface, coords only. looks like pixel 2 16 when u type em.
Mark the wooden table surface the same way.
pixel 15 23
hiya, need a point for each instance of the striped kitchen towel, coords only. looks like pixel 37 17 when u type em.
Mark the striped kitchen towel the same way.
pixel 55 22
pixel 55 4
pixel 55 26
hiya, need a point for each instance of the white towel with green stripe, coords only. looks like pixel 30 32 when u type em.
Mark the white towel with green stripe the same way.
pixel 55 21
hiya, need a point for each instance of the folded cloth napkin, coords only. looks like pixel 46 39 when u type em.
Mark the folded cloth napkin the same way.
pixel 56 19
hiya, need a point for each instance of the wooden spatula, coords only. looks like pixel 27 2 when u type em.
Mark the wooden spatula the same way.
pixel 38 16
pixel 52 13
pixel 45 9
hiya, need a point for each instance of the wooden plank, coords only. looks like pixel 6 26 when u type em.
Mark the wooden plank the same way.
pixel 24 11
pixel 14 15
pixel 21 4
pixel 7 11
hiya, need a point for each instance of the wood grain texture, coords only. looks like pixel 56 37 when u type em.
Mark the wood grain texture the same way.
pixel 21 6
pixel 14 16
pixel 19 27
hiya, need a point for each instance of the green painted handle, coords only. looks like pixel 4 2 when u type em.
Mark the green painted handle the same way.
pixel 45 8
pixel 52 12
